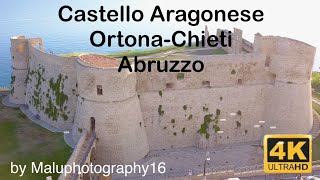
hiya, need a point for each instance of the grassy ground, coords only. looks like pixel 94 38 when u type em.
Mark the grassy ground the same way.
pixel 315 81
pixel 316 149
pixel 23 142
pixel 219 51
pixel 316 141
pixel 316 95
pixel 151 52
pixel 316 107
pixel 133 53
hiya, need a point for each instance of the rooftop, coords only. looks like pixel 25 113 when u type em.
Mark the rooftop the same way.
pixel 99 61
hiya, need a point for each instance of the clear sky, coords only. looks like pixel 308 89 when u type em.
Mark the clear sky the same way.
pixel 294 19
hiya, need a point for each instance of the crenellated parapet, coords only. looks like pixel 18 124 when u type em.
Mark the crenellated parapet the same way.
pixel 290 60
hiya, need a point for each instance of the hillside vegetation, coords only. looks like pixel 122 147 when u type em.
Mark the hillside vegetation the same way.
pixel 315 83
pixel 24 142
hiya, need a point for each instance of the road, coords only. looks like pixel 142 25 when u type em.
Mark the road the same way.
pixel 281 176
pixel 284 176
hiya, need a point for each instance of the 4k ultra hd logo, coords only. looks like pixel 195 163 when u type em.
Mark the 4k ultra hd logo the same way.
pixel 287 153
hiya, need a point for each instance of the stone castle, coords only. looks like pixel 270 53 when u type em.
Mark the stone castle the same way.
pixel 265 83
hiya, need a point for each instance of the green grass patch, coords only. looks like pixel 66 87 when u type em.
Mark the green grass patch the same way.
pixel 180 76
pixel 316 95
pixel 219 51
pixel 133 53
pixel 8 132
pixel 316 107
pixel 23 142
pixel 207 119
pixel 316 148
pixel 22 115
pixel 19 113
pixel 315 82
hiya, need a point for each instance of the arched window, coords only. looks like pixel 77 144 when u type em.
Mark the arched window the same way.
pixel 92 124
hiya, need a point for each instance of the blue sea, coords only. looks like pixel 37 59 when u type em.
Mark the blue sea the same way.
pixel 61 39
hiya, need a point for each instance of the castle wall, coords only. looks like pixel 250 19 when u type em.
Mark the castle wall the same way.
pixel 121 135
pixel 247 46
pixel 237 41
pixel 297 57
pixel 219 71
pixel 290 101
pixel 176 105
pixel 19 59
pixel 173 114
pixel 18 86
pixel 134 112
pixel 52 88
pixel 289 108
pixel 174 119
pixel 83 154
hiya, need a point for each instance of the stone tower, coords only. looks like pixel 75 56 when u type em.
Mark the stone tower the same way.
pixel 20 63
pixel 206 33
pixel 289 63
pixel 20 60
pixel 236 44
pixel 236 41
pixel 108 104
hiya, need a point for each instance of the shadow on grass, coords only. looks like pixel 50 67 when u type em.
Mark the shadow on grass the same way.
pixel 23 142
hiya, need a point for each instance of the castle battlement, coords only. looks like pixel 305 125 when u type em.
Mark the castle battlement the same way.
pixel 133 113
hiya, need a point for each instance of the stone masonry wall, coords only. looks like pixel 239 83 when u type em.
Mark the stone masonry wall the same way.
pixel 186 109
pixel 52 88
pixel 138 112
pixel 116 113
pixel 20 59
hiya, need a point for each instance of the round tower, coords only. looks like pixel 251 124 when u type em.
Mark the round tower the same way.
pixel 289 59
pixel 289 101
pixel 108 104
pixel 20 60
